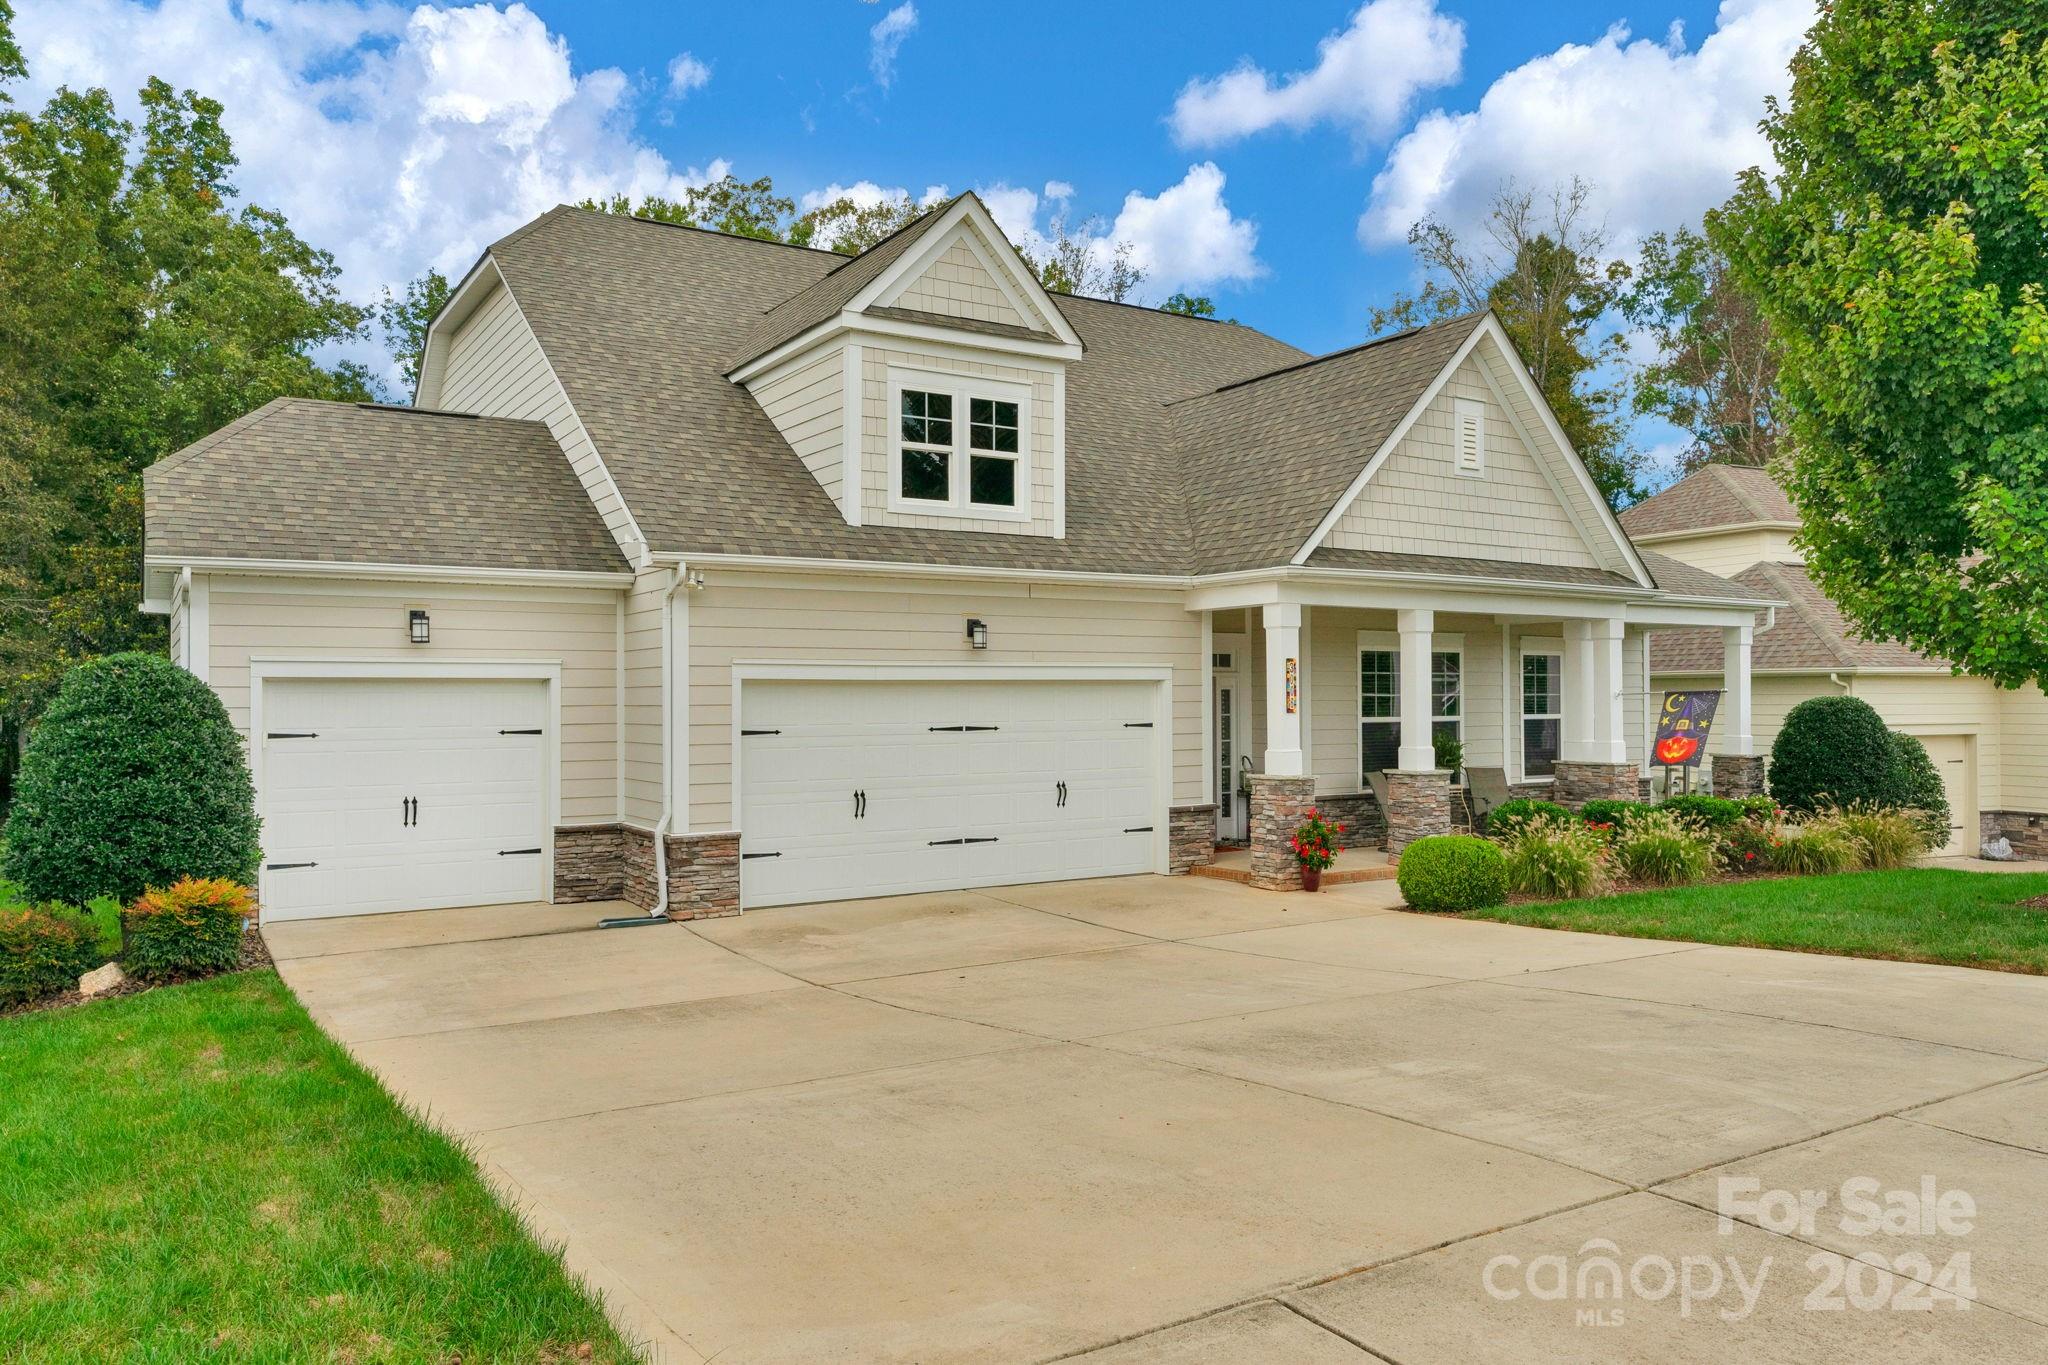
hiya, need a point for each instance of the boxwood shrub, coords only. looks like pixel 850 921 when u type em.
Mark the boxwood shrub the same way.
pixel 1602 810
pixel 1715 812
pixel 1834 751
pixel 1920 789
pixel 1510 818
pixel 43 950
pixel 133 778
pixel 189 929
pixel 1453 872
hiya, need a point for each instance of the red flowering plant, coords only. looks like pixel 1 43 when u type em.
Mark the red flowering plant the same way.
pixel 1315 841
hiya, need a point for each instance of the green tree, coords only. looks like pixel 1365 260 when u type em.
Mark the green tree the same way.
pixel 752 208
pixel 1900 255
pixel 1541 267
pixel 1078 259
pixel 140 309
pixel 1190 305
pixel 403 319
pixel 1715 375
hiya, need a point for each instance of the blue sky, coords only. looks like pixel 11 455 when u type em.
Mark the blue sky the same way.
pixel 1269 155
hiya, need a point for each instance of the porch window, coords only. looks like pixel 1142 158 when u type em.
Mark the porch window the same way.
pixel 1542 713
pixel 1379 704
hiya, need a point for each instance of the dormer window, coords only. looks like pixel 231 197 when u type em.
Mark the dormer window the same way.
pixel 948 467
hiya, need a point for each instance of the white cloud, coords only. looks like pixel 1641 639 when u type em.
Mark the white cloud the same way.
pixel 686 73
pixel 1657 130
pixel 1364 79
pixel 885 40
pixel 396 139
pixel 1185 237
pixel 866 194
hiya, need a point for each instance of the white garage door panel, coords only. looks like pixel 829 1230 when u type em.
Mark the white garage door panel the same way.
pixel 341 758
pixel 811 745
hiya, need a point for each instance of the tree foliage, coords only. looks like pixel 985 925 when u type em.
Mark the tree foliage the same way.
pixel 1078 258
pixel 1715 375
pixel 1900 255
pixel 403 318
pixel 1540 266
pixel 1190 305
pixel 141 307
pixel 752 208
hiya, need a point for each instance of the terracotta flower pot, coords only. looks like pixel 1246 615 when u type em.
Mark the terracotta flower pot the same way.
pixel 1311 879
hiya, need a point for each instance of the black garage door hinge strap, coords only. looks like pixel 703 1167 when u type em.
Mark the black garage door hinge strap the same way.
pixel 1138 829
pixel 519 732
pixel 515 852
pixel 960 729
pixel 1137 725
pixel 293 734
pixel 745 733
pixel 279 867
pixel 745 856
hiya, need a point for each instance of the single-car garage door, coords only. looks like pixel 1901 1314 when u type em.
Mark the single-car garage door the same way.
pixel 878 788
pixel 402 794
pixel 1952 755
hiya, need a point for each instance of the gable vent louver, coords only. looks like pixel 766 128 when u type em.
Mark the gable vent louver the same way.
pixel 1468 439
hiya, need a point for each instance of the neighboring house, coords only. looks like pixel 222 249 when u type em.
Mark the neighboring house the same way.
pixel 1991 746
pixel 711 572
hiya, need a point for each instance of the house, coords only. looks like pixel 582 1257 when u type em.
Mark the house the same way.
pixel 1990 745
pixel 713 573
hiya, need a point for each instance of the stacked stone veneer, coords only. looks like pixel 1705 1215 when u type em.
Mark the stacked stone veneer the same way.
pixel 1418 806
pixel 1359 813
pixel 2026 831
pixel 1738 775
pixel 1191 840
pixel 1578 783
pixel 703 873
pixel 1279 805
pixel 590 862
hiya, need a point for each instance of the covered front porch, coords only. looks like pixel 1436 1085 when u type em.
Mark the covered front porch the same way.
pixel 1405 710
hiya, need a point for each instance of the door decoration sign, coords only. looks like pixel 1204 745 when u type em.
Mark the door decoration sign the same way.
pixel 1682 728
pixel 1293 686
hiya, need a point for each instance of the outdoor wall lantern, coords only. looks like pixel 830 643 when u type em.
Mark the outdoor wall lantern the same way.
pixel 977 633
pixel 416 622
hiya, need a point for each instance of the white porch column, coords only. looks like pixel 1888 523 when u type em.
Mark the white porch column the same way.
pixel 1733 723
pixel 1417 754
pixel 1575 741
pixel 1283 702
pixel 1606 743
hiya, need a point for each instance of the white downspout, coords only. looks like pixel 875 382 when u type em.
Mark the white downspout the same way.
pixel 668 776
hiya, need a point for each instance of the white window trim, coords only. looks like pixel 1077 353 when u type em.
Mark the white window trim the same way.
pixel 1537 645
pixel 1387 641
pixel 962 388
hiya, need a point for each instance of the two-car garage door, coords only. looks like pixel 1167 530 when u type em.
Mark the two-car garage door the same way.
pixel 879 788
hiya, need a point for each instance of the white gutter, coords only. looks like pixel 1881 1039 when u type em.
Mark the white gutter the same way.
pixel 323 568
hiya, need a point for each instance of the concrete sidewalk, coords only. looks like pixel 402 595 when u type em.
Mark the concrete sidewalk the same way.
pixel 1157 1119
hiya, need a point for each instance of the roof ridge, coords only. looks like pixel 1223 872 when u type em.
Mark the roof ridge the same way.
pixel 1832 640
pixel 184 454
pixel 1313 360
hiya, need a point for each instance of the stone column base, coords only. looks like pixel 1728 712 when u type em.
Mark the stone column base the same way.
pixel 1359 813
pixel 1191 841
pixel 1418 806
pixel 1279 805
pixel 1578 783
pixel 590 863
pixel 1738 775
pixel 703 873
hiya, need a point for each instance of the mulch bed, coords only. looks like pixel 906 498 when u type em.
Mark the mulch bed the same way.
pixel 254 955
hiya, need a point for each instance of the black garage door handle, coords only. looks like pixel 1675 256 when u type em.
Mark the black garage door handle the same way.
pixel 279 867
pixel 515 852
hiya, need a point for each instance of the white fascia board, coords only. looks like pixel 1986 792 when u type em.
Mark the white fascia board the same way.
pixel 917 569
pixel 927 337
pixel 1726 528
pixel 304 568
pixel 1379 457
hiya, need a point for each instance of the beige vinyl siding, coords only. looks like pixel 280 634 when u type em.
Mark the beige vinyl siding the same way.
pixel 1416 504
pixel 871 619
pixel 2022 754
pixel 299 619
pixel 957 285
pixel 177 631
pixel 879 429
pixel 494 366
pixel 645 723
pixel 807 403
pixel 1728 553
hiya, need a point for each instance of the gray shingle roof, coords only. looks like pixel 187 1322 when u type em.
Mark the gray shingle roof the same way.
pixel 1457 566
pixel 641 320
pixel 1712 495
pixel 367 484
pixel 1311 427
pixel 1811 633
pixel 1678 577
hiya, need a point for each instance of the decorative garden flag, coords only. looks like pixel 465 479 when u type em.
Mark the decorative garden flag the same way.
pixel 1293 686
pixel 1683 726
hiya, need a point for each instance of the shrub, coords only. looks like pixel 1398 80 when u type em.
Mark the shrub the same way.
pixel 1560 860
pixel 1746 845
pixel 133 778
pixel 1603 810
pixel 1818 846
pixel 1885 839
pixel 1447 750
pixel 1920 790
pixel 187 929
pixel 1315 841
pixel 1834 751
pixel 1715 812
pixel 1453 872
pixel 1510 818
pixel 1763 807
pixel 43 950
pixel 1662 848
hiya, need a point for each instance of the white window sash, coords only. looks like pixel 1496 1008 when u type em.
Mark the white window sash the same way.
pixel 963 389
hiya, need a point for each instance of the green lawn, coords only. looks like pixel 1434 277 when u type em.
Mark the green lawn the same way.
pixel 1968 919
pixel 197 1173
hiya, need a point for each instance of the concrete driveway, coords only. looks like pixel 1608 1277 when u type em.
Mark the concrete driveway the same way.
pixel 1152 1119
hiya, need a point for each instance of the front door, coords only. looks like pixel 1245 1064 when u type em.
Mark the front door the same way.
pixel 1227 703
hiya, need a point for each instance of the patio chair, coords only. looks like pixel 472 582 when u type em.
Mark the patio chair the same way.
pixel 1485 788
pixel 1378 782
